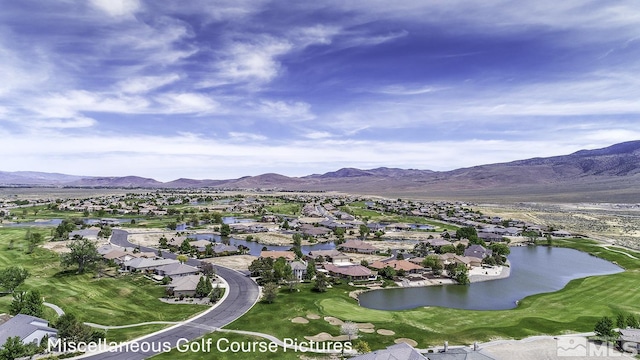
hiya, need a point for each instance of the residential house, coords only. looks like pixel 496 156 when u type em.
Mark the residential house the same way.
pixel 351 272
pixel 220 249
pixel 463 353
pixel 477 251
pixel 314 231
pixel 334 256
pixel 275 255
pixel 357 246
pixel 560 233
pixel 30 329
pixel 490 237
pixel 629 339
pixel 184 285
pixel 175 270
pixel 299 269
pixel 144 264
pixel 404 265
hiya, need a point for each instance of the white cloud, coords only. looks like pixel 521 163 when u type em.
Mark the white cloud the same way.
pixel 294 110
pixel 246 136
pixel 117 8
pixel 143 84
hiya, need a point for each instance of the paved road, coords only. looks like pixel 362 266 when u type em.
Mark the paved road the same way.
pixel 242 295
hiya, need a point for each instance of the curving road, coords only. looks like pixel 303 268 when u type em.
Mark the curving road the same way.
pixel 242 294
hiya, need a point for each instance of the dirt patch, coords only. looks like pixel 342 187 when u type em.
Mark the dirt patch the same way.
pixel 333 321
pixel 313 316
pixel 236 262
pixel 57 246
pixel 386 332
pixel 299 320
pixel 406 341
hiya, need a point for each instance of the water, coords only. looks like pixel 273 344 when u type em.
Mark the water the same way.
pixel 534 270
pixel 235 220
pixel 255 248
pixel 56 222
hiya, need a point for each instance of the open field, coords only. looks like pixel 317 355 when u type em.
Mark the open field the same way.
pixel 614 223
pixel 120 300
pixel 575 308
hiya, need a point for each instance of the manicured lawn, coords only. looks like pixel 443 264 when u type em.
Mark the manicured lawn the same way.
pixel 285 208
pixel 576 308
pixel 120 335
pixel 220 352
pixel 122 300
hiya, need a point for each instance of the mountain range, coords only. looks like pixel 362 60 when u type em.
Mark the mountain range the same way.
pixel 610 174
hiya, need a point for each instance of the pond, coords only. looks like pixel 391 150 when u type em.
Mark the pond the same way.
pixel 56 222
pixel 255 248
pixel 534 270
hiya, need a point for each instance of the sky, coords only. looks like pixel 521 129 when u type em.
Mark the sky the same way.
pixel 219 89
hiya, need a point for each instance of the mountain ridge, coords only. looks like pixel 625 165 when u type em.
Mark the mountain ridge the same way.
pixel 596 168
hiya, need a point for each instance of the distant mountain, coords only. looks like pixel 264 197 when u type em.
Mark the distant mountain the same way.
pixel 116 182
pixel 610 174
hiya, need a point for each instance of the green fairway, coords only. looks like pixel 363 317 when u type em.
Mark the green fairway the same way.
pixel 576 308
pixel 121 300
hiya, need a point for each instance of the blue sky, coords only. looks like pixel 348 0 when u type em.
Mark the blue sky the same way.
pixel 223 89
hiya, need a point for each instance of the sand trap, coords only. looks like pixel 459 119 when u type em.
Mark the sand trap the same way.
pixel 313 316
pixel 368 331
pixel 323 336
pixel 406 341
pixel 386 332
pixel 333 321
pixel 365 326
pixel 299 320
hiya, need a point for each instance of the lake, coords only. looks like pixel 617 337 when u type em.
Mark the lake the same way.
pixel 255 248
pixel 534 270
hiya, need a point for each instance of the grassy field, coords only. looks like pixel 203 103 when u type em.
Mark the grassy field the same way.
pixel 122 300
pixel 575 308
pixel 285 208
pixel 219 352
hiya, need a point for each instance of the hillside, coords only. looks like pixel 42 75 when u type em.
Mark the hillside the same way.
pixel 610 174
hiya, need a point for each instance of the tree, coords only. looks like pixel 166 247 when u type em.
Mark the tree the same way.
pixel 28 303
pixel 531 235
pixel 362 347
pixel 182 258
pixel 225 230
pixel 461 274
pixel 12 277
pixel 270 292
pixel 433 262
pixel 33 239
pixel 378 234
pixel 204 287
pixel 105 232
pixel 460 248
pixel 320 284
pixel 71 329
pixel 311 270
pixel 13 348
pixel 621 321
pixel 185 246
pixel 447 249
pixel 468 232
pixel 216 294
pixel 364 231
pixel 549 240
pixel 350 329
pixel 63 229
pixel 388 272
pixel 604 328
pixel 83 252
pixel 632 321
pixel 208 269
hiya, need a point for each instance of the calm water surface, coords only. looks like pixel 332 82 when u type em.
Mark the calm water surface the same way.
pixel 534 270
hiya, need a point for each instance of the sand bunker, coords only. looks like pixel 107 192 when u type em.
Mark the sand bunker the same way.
pixel 406 341
pixel 333 321
pixel 313 316
pixel 386 332
pixel 368 331
pixel 323 336
pixel 365 326
pixel 299 320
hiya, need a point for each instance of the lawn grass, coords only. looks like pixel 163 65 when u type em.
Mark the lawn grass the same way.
pixel 121 335
pixel 285 208
pixel 215 352
pixel 123 300
pixel 575 308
